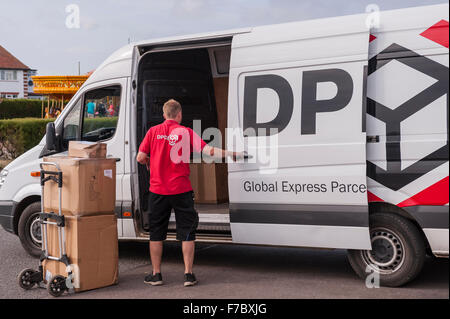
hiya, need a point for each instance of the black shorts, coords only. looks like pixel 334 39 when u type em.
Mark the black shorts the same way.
pixel 185 215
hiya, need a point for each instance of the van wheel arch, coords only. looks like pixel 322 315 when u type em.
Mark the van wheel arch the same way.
pixel 21 207
pixel 384 207
pixel 398 251
pixel 29 229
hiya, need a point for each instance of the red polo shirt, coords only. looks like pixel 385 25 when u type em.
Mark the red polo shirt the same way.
pixel 170 145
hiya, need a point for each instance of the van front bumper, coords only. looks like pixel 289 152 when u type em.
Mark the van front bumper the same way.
pixel 7 208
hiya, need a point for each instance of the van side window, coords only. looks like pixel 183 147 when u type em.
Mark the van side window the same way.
pixel 101 112
pixel 72 124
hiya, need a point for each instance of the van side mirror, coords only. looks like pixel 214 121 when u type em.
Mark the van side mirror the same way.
pixel 50 136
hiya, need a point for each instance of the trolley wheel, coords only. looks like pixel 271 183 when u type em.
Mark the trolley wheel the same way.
pixel 24 279
pixel 56 286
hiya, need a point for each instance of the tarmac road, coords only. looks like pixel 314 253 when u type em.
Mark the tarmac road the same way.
pixel 231 271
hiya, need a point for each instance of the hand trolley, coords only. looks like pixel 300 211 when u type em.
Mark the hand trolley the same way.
pixel 27 278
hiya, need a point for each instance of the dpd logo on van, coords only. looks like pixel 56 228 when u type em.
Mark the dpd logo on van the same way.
pixel 310 104
pixel 394 116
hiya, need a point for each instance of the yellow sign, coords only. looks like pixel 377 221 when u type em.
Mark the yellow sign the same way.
pixel 57 85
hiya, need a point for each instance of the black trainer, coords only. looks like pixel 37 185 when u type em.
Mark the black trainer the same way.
pixel 154 280
pixel 189 280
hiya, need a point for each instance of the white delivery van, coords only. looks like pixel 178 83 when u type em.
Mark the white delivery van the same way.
pixel 359 116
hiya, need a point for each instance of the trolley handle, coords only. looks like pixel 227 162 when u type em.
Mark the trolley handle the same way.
pixel 50 163
pixel 54 176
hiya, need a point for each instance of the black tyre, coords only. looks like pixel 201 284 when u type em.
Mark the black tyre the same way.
pixel 57 286
pixel 398 251
pixel 30 229
pixel 24 279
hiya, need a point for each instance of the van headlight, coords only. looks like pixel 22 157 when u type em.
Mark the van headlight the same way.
pixel 3 175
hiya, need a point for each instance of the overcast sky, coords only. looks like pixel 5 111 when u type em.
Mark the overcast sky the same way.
pixel 36 31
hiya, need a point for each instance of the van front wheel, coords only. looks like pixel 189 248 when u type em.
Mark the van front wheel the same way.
pixel 30 229
pixel 398 251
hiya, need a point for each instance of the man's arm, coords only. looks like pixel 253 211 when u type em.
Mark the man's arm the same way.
pixel 220 153
pixel 198 145
pixel 144 150
pixel 142 158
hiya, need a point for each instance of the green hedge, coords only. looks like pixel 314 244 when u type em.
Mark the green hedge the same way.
pixel 20 108
pixel 91 124
pixel 19 135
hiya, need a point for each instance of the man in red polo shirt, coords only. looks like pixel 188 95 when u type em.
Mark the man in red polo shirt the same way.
pixel 167 147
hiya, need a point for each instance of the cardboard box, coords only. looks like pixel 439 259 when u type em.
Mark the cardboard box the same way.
pixel 92 249
pixel 87 149
pixel 89 186
pixel 209 182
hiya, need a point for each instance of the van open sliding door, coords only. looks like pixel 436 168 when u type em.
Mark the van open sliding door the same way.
pixel 297 106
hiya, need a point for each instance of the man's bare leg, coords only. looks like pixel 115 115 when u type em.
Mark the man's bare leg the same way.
pixel 156 249
pixel 188 248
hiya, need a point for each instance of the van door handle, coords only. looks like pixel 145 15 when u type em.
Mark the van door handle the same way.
pixel 247 155
pixel 373 139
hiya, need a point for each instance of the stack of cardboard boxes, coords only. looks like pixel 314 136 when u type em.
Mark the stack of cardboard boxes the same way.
pixel 88 200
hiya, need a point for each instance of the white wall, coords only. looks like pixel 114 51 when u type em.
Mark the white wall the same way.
pixel 13 86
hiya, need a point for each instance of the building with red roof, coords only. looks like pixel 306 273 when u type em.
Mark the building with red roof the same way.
pixel 14 76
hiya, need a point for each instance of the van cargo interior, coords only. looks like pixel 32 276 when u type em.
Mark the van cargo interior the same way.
pixel 198 79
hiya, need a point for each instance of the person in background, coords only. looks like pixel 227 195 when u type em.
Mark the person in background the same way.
pixel 90 109
pixel 46 116
pixel 111 110
pixel 170 187
pixel 101 109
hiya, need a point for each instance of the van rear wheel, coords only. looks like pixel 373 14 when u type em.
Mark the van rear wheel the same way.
pixel 398 251
pixel 30 229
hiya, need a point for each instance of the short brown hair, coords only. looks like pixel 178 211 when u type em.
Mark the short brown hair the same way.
pixel 171 108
